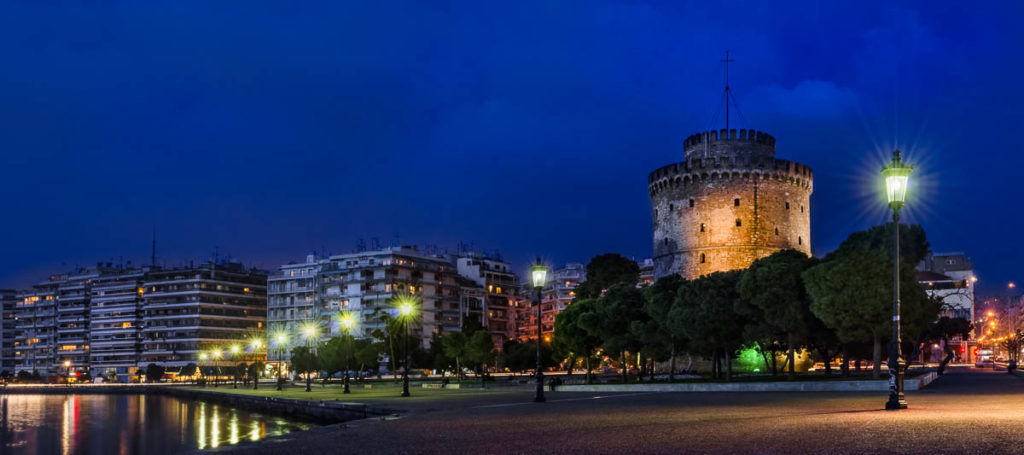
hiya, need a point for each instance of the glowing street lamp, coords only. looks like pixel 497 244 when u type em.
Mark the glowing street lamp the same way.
pixel 67 371
pixel 539 277
pixel 348 322
pixel 406 310
pixel 235 350
pixel 281 337
pixel 255 344
pixel 897 176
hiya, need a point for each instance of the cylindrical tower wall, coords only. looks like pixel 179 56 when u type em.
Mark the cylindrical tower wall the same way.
pixel 723 212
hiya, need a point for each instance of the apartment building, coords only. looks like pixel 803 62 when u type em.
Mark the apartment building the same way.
pixel 111 320
pixel 490 296
pixel 555 297
pixel 8 300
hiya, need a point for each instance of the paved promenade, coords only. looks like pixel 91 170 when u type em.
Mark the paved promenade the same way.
pixel 965 411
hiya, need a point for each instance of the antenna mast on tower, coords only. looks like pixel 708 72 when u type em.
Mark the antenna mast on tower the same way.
pixel 727 61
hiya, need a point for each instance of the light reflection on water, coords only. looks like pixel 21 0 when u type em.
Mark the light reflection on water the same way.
pixel 126 424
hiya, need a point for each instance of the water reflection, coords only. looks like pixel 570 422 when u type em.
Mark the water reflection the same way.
pixel 73 424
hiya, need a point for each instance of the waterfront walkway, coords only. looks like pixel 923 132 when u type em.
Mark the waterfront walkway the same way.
pixel 965 411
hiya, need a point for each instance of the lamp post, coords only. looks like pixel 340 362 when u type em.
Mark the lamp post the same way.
pixel 282 342
pixel 405 309
pixel 67 372
pixel 309 332
pixel 235 349
pixel 202 359
pixel 896 175
pixel 216 359
pixel 256 344
pixel 539 276
pixel 347 323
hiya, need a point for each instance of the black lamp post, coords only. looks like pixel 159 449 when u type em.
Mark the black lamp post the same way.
pixel 539 274
pixel 405 308
pixel 256 363
pixel 347 322
pixel 282 346
pixel 896 175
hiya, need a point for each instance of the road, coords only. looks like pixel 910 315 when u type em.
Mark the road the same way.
pixel 965 411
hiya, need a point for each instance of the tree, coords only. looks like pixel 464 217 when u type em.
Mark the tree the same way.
pixel 239 372
pixel 304 361
pixel 254 372
pixel 612 318
pixel 704 314
pixel 336 355
pixel 606 270
pixel 851 289
pixel 945 328
pixel 773 285
pixel 480 350
pixel 571 339
pixel 154 372
pixel 454 345
pixel 189 370
pixel 368 354
pixel 658 300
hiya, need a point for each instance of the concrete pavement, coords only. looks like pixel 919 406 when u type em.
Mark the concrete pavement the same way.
pixel 965 411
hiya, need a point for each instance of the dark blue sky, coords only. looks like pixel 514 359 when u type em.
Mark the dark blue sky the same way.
pixel 530 127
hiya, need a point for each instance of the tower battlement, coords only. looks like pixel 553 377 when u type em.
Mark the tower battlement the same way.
pixel 729 142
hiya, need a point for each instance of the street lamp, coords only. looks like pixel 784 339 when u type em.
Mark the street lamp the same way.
pixel 235 349
pixel 309 332
pixel 256 344
pixel 216 357
pixel 539 276
pixel 347 323
pixel 405 310
pixel 67 371
pixel 896 176
pixel 282 344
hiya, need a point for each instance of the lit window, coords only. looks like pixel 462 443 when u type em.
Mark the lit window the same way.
pixel 125 325
pixel 245 290
pixel 499 289
pixel 141 291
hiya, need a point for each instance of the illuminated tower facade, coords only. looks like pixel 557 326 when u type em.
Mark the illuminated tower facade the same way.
pixel 728 203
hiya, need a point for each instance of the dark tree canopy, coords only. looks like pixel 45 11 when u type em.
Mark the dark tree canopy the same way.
pixel 606 270
pixel 704 314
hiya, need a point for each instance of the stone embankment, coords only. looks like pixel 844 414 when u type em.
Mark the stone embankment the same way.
pixel 915 383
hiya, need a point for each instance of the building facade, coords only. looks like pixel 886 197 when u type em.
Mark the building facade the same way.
pixel 110 321
pixel 8 300
pixel 727 204
pixel 555 297
pixel 496 295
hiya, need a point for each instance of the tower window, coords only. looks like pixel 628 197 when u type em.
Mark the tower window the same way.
pixel 702 258
pixel 671 207
pixel 776 231
pixel 655 213
pixel 787 206
pixel 691 203
pixel 666 240
pixel 736 202
pixel 702 227
pixel 738 222
pixel 801 208
pixel 799 240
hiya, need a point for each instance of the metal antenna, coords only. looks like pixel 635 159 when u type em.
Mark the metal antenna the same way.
pixel 727 61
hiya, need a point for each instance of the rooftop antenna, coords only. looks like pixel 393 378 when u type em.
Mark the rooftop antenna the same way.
pixel 727 61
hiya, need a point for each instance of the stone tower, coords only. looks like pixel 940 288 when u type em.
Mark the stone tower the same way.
pixel 728 203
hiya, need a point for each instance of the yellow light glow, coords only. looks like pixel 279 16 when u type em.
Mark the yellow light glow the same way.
pixel 67 363
pixel 347 321
pixel 235 349
pixel 216 353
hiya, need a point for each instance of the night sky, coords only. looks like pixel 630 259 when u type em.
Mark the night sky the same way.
pixel 270 131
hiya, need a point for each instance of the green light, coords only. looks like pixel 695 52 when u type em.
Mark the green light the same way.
pixel 538 274
pixel 897 176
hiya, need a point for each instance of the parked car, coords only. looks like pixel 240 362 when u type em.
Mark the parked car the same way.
pixel 986 363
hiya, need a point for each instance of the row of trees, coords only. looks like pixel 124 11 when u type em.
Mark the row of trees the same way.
pixel 836 307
